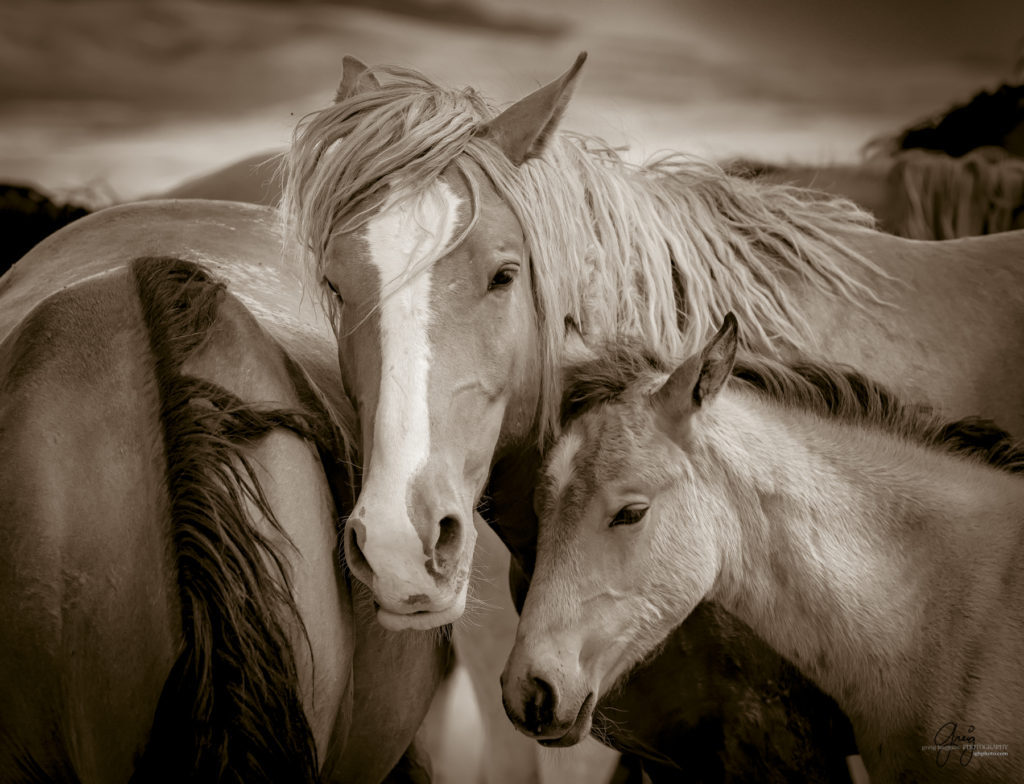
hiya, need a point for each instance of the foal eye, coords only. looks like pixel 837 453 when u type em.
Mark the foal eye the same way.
pixel 503 277
pixel 629 515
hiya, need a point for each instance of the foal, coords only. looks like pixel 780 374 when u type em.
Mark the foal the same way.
pixel 877 548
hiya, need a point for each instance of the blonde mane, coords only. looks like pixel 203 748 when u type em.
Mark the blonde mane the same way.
pixel 943 197
pixel 660 251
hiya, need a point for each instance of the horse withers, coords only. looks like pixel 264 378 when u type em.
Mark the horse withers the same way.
pixel 871 542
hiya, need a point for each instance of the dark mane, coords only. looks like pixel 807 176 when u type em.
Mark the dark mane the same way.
pixel 830 390
pixel 840 392
pixel 230 709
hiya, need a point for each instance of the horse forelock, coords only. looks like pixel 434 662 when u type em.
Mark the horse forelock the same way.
pixel 661 251
pixel 399 136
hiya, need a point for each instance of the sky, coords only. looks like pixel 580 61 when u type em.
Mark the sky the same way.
pixel 115 99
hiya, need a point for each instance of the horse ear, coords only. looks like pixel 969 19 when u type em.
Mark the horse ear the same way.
pixel 700 378
pixel 717 360
pixel 354 77
pixel 522 130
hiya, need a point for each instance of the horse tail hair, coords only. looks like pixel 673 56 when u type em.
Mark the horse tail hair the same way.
pixel 939 197
pixel 230 710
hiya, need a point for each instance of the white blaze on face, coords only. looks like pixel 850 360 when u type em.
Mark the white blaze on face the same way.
pixel 404 238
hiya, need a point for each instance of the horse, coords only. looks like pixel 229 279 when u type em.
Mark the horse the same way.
pixel 988 119
pixel 176 453
pixel 458 246
pixel 918 194
pixel 870 541
pixel 957 174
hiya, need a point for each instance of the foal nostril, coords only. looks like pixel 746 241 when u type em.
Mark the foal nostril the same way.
pixel 539 705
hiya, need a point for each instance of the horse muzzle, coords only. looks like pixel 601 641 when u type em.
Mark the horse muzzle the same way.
pixel 536 707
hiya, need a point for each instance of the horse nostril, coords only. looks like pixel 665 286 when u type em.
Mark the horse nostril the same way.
pixel 449 537
pixel 540 704
pixel 448 534
pixel 357 562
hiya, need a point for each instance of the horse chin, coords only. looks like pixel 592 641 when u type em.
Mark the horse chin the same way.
pixel 580 728
pixel 422 620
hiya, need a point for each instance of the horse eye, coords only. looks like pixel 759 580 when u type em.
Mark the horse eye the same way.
pixel 334 290
pixel 503 277
pixel 629 515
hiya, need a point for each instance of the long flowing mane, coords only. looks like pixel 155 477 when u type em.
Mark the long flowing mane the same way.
pixel 660 251
pixel 231 702
pixel 829 390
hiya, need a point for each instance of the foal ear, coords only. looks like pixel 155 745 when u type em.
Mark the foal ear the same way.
pixel 717 360
pixel 354 77
pixel 699 378
pixel 522 130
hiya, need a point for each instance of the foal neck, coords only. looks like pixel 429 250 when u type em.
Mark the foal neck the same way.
pixel 855 551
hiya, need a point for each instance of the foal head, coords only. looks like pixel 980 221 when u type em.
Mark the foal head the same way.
pixel 628 541
pixel 430 280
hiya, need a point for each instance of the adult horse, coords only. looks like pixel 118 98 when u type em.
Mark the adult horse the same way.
pixel 174 461
pixel 957 174
pixel 918 194
pixel 460 245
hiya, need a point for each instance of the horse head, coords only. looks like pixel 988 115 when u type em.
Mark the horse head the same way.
pixel 430 277
pixel 627 544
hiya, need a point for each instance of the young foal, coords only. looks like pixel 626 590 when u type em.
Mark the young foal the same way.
pixel 874 546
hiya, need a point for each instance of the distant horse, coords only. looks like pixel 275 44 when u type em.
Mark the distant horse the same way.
pixel 254 179
pixel 28 216
pixel 459 247
pixel 174 457
pixel 873 543
pixel 958 174
pixel 918 194
pixel 988 119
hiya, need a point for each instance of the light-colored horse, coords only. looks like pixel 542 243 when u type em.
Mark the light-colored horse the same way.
pixel 871 542
pixel 459 244
pixel 919 194
pixel 172 604
pixel 455 261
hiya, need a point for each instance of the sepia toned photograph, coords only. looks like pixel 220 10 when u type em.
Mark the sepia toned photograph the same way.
pixel 511 391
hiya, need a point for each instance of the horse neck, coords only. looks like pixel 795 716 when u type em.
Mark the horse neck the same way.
pixel 856 551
